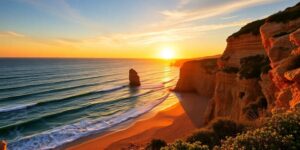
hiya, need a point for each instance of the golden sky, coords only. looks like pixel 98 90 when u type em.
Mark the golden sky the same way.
pixel 125 29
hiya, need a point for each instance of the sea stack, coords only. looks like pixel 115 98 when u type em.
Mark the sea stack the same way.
pixel 134 79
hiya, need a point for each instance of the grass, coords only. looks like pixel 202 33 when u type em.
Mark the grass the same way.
pixel 252 28
pixel 288 14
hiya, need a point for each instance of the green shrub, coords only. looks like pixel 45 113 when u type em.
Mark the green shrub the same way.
pixel 230 69
pixel 180 145
pixel 156 144
pixel 252 27
pixel 225 127
pixel 253 66
pixel 281 131
pixel 288 14
pixel 205 136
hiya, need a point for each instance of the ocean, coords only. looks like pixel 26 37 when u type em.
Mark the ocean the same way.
pixel 45 103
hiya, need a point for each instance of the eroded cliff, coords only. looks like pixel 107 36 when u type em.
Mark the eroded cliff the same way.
pixel 258 72
pixel 198 76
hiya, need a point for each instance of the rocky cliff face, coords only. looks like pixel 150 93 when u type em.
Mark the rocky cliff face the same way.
pixel 281 41
pixel 258 72
pixel 198 76
pixel 240 47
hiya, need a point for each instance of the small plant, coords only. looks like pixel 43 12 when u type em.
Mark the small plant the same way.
pixel 205 136
pixel 156 144
pixel 181 145
pixel 225 127
pixel 252 28
pixel 281 131
pixel 288 14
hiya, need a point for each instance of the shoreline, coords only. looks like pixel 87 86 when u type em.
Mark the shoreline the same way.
pixel 157 123
pixel 168 103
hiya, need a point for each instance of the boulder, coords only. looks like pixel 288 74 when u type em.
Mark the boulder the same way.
pixel 134 79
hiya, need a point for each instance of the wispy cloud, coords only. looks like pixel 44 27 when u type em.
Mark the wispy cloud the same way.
pixel 151 37
pixel 62 9
pixel 184 16
pixel 11 34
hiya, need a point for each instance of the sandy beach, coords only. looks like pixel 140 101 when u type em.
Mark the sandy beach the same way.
pixel 175 122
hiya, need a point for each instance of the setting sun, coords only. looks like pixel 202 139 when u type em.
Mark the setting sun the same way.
pixel 167 53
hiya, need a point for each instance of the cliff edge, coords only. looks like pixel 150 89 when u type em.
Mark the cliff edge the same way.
pixel 258 73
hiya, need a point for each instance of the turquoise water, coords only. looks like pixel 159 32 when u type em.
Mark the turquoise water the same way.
pixel 45 103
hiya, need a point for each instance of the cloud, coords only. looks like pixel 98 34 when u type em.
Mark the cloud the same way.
pixel 151 37
pixel 10 34
pixel 62 9
pixel 174 17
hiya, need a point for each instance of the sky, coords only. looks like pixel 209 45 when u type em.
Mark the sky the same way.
pixel 125 28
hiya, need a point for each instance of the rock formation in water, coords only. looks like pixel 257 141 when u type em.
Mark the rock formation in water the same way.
pixel 259 71
pixel 134 79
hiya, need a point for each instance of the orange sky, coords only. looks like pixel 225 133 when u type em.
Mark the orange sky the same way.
pixel 125 29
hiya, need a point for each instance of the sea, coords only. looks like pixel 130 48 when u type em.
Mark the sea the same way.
pixel 46 103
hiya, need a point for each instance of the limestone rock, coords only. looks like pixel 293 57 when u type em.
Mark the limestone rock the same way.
pixel 134 79
pixel 198 76
pixel 240 47
pixel 293 75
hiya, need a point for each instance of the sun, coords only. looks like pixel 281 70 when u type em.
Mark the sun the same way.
pixel 167 53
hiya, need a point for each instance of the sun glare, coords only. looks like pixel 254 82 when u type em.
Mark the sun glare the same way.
pixel 167 53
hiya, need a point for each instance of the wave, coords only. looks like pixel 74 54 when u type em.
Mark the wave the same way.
pixel 68 133
pixel 51 83
pixel 28 123
pixel 14 98
pixel 15 107
pixel 26 106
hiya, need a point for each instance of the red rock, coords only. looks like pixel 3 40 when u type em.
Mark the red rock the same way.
pixel 134 79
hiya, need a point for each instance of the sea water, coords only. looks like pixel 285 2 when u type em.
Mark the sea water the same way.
pixel 45 103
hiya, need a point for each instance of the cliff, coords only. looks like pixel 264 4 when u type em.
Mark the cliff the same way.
pixel 259 71
pixel 198 76
pixel 240 47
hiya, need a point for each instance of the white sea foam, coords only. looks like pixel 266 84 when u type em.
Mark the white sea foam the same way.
pixel 65 134
pixel 16 107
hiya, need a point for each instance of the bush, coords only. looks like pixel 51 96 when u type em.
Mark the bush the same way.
pixel 288 14
pixel 252 27
pixel 156 144
pixel 206 137
pixel 260 139
pixel 253 66
pixel 225 127
pixel 180 145
pixel 282 131
pixel 285 124
pixel 230 69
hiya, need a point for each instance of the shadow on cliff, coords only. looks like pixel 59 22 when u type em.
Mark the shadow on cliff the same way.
pixel 194 106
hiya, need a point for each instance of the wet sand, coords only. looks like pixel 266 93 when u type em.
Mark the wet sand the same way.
pixel 175 122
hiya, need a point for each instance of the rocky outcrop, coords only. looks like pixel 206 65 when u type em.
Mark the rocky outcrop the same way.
pixel 258 73
pixel 198 76
pixel 240 47
pixel 134 79
pixel 276 39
